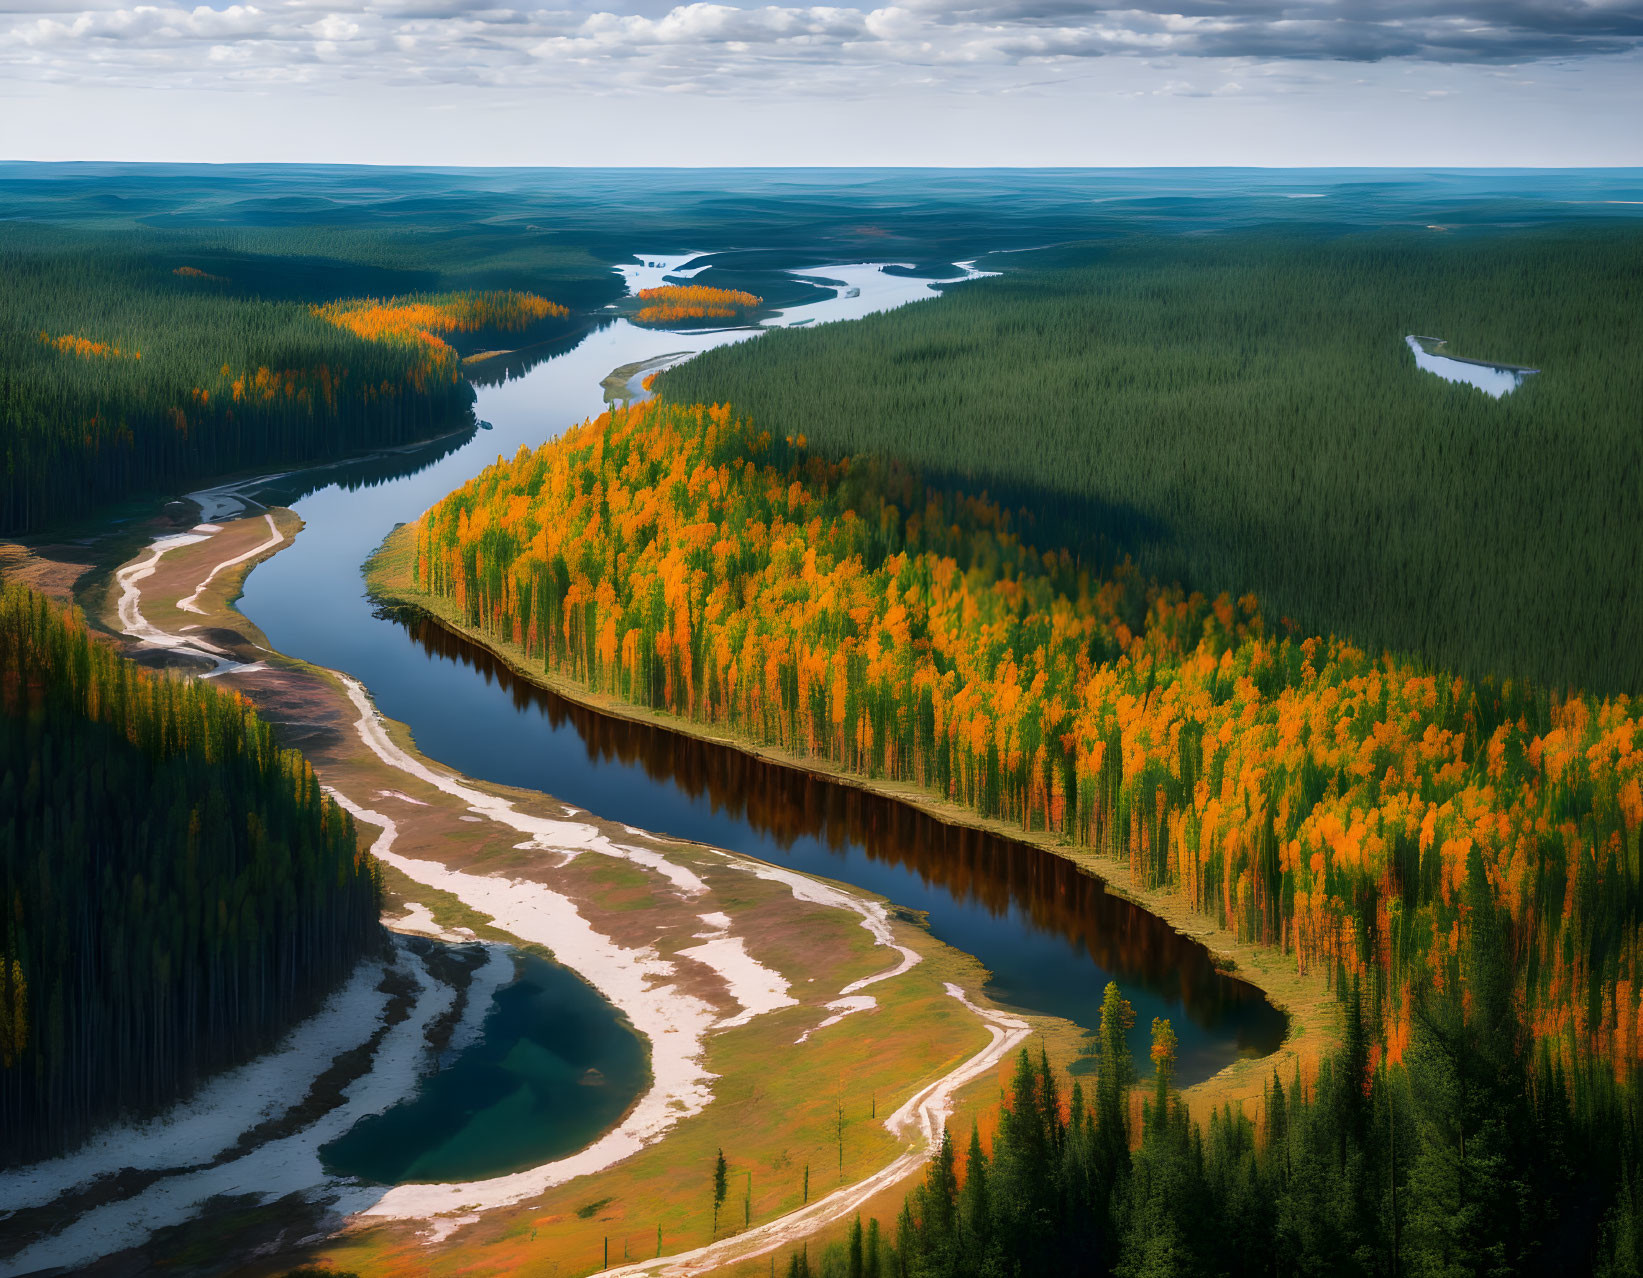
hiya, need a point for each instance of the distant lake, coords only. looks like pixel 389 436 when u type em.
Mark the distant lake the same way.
pixel 1492 379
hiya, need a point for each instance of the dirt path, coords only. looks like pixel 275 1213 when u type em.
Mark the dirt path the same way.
pixel 921 1120
pixel 275 537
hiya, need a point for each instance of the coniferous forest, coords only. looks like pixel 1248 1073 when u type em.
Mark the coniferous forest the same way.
pixel 177 889
pixel 1240 412
pixel 121 375
pixel 1465 1160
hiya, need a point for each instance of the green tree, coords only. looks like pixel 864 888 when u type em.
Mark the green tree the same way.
pixel 975 1209
pixel 1116 1074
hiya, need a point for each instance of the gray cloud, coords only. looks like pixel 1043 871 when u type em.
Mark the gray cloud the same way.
pixel 1364 31
pixel 722 48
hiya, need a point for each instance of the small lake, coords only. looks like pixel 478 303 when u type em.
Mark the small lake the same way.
pixel 1492 379
pixel 550 1072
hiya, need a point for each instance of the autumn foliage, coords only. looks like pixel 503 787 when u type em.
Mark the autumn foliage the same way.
pixel 110 387
pixel 1299 789
pixel 69 344
pixel 221 383
pixel 671 302
pixel 419 322
pixel 424 318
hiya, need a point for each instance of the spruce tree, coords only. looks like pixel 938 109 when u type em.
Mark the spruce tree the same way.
pixel 974 1205
pixel 721 1186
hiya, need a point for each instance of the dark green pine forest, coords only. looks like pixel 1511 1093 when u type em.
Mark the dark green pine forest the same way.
pixel 1467 1159
pixel 1239 411
pixel 176 888
pixel 133 363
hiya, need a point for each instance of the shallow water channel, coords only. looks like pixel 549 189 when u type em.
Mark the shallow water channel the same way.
pixel 1050 935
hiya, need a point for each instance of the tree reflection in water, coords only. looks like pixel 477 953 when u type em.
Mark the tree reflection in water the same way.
pixel 1045 893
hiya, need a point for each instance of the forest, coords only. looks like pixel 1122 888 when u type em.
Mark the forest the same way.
pixel 1238 412
pixel 178 891
pixel 1297 789
pixel 120 376
pixel 426 317
pixel 1465 1160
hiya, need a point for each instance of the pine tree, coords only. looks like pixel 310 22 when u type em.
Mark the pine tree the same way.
pixel 975 1207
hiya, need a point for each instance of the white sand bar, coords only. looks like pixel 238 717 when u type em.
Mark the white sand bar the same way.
pixel 842 1007
pixel 634 980
pixel 134 624
pixel 753 985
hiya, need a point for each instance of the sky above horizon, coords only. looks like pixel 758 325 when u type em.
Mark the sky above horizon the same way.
pixel 995 82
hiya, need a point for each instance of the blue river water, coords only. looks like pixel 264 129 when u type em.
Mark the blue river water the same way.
pixel 1049 934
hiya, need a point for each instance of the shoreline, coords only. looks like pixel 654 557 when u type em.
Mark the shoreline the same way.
pixel 1434 346
pixel 1306 1003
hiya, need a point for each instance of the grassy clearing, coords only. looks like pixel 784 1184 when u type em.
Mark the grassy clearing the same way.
pixel 772 1123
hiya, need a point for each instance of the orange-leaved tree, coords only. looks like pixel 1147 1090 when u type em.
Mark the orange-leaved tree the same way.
pixel 1305 792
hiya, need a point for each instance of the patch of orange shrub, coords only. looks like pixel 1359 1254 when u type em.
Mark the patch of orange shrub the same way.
pixel 69 344
pixel 670 302
pixel 422 318
pixel 418 322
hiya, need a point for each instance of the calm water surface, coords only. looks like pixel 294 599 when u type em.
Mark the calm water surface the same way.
pixel 1492 379
pixel 551 1071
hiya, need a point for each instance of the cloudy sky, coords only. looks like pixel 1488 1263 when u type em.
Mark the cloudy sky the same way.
pixel 1271 82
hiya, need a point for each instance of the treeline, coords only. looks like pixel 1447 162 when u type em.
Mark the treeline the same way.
pixel 118 376
pixel 1464 1160
pixel 177 891
pixel 1298 790
pixel 1239 412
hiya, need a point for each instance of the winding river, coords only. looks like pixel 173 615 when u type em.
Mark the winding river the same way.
pixel 1050 935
